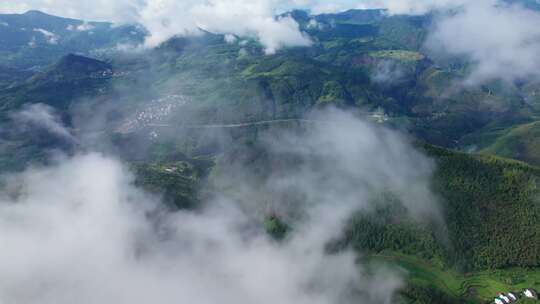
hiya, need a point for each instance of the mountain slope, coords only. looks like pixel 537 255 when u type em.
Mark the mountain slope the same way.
pixel 520 142
pixel 60 84
pixel 11 77
pixel 490 209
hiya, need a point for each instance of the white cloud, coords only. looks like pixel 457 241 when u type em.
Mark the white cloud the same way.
pixel 238 17
pixel 243 52
pixel 313 24
pixel 387 72
pixel 83 27
pixel 103 10
pixel 230 38
pixel 14 7
pixel 167 18
pixel 341 161
pixel 502 42
pixel 413 7
pixel 79 231
pixel 43 117
pixel 32 43
pixel 323 6
pixel 51 38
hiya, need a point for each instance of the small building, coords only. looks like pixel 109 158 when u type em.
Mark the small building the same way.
pixel 530 293
pixel 513 297
pixel 498 301
pixel 171 169
pixel 504 298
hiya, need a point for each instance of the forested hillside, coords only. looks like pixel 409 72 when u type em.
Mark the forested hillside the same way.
pixel 491 210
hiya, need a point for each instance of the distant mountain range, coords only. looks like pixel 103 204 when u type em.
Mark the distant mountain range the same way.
pixel 360 58
pixel 34 39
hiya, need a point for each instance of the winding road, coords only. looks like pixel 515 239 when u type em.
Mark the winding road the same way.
pixel 233 125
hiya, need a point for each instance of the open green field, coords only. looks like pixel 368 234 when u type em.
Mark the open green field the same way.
pixel 402 55
pixel 476 287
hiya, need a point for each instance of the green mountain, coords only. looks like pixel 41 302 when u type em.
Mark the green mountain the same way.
pixel 34 39
pixel 359 59
pixel 60 84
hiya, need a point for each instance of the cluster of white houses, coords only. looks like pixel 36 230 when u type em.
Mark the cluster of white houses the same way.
pixel 512 297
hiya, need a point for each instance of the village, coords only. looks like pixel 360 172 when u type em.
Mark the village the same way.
pixel 512 297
